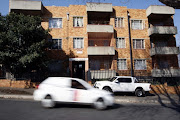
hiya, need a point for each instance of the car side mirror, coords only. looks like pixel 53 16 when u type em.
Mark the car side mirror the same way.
pixel 116 81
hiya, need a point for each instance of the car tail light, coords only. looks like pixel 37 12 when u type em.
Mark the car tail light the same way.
pixel 37 86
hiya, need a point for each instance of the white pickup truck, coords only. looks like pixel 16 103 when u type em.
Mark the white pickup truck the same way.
pixel 124 84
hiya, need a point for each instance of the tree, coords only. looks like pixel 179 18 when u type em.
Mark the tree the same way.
pixel 22 43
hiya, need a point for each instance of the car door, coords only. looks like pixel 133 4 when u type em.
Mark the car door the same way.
pixel 79 92
pixel 124 84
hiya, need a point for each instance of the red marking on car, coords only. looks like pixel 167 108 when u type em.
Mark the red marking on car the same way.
pixel 75 95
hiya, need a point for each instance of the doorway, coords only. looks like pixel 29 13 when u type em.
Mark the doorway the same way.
pixel 78 69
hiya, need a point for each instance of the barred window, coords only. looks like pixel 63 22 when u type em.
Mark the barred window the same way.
pixel 55 23
pixel 137 24
pixel 57 44
pixel 119 22
pixel 78 43
pixel 122 64
pixel 120 43
pixel 138 43
pixel 78 21
pixel 140 64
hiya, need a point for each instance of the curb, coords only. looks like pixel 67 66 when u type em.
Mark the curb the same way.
pixel 26 97
pixel 119 101
pixel 116 100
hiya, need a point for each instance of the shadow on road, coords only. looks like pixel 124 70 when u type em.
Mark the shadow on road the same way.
pixel 129 94
pixel 115 106
pixel 163 90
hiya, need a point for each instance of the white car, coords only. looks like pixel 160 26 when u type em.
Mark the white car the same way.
pixel 71 90
pixel 124 84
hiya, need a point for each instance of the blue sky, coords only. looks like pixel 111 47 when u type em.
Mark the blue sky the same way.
pixel 137 4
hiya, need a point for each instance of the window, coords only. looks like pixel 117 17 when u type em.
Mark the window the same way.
pixel 55 23
pixel 140 64
pixel 121 64
pixel 137 24
pixel 75 84
pixel 78 21
pixel 120 43
pixel 138 43
pixel 78 43
pixel 125 80
pixel 119 22
pixel 90 42
pixel 57 44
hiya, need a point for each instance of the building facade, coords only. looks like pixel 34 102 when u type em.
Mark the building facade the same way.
pixel 99 41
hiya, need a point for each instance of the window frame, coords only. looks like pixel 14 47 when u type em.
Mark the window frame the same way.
pixel 120 45
pixel 76 17
pixel 76 87
pixel 145 63
pixel 53 26
pixel 59 43
pixel 76 38
pixel 123 80
pixel 142 43
pixel 119 19
pixel 125 66
pixel 140 27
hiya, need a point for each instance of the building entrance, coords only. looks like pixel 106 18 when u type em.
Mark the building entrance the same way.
pixel 78 69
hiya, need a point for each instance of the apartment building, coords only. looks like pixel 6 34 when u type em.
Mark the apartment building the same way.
pixel 99 41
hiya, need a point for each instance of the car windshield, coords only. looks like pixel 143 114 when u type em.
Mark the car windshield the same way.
pixel 112 79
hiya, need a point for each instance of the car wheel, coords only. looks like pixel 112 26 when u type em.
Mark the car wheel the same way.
pixel 48 102
pixel 100 104
pixel 139 92
pixel 107 89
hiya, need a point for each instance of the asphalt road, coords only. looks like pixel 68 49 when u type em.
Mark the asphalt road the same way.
pixel 30 110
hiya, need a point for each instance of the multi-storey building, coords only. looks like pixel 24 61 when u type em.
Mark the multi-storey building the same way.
pixel 98 40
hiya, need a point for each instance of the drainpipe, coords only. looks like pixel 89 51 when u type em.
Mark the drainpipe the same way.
pixel 130 45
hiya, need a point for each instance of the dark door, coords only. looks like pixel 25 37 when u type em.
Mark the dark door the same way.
pixel 78 68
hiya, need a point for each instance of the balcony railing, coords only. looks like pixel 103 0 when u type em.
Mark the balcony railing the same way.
pixel 103 50
pixel 100 28
pixel 159 10
pixel 164 51
pixel 166 30
pixel 166 72
pixel 101 74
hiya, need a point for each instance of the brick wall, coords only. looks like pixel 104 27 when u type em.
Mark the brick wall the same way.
pixel 17 84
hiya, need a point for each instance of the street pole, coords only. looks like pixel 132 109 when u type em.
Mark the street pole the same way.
pixel 130 45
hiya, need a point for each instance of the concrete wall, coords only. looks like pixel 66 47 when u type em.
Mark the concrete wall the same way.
pixel 169 30
pixel 100 28
pixel 153 9
pixel 101 51
pixel 165 72
pixel 164 51
pixel 99 7
pixel 25 5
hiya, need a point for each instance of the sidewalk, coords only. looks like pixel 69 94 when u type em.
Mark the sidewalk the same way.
pixel 19 93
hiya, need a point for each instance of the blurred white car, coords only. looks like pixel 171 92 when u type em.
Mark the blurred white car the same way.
pixel 71 90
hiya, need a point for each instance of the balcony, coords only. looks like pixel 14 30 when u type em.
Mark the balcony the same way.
pixel 100 28
pixel 155 10
pixel 166 72
pixel 26 6
pixel 102 74
pixel 164 51
pixel 99 7
pixel 163 30
pixel 103 50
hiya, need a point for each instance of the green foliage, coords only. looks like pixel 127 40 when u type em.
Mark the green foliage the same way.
pixel 22 43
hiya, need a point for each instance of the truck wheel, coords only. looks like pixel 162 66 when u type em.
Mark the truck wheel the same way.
pixel 139 92
pixel 99 104
pixel 107 89
pixel 48 102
